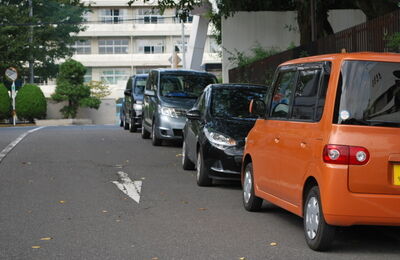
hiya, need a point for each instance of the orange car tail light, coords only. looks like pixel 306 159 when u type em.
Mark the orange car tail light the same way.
pixel 344 154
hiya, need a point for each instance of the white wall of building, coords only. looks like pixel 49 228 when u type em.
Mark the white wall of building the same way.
pixel 271 30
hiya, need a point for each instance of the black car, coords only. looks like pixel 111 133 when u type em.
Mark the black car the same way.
pixel 131 111
pixel 215 131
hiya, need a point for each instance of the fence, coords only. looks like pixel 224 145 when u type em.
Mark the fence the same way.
pixel 370 36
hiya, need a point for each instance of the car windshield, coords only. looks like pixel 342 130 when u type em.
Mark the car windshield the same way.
pixel 370 94
pixel 139 86
pixel 234 102
pixel 184 85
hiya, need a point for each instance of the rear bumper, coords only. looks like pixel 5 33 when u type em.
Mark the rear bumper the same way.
pixel 344 208
pixel 170 128
pixel 136 118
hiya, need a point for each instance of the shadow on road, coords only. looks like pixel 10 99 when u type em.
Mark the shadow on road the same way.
pixel 355 239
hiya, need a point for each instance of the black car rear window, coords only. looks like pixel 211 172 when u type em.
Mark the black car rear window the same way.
pixel 139 86
pixel 369 94
pixel 234 102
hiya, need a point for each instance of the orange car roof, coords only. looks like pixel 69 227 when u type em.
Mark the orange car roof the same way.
pixel 378 56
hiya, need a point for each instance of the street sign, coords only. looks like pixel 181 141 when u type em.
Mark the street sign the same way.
pixel 12 74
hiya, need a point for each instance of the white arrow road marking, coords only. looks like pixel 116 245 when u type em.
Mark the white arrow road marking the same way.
pixel 16 141
pixel 129 187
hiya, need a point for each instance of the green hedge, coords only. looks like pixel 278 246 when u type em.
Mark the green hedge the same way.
pixel 5 103
pixel 30 103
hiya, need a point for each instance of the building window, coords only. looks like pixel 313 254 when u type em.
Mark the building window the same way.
pixel 82 47
pixel 112 15
pixel 88 75
pixel 112 76
pixel 147 16
pixel 113 46
pixel 178 45
pixel 188 19
pixel 151 46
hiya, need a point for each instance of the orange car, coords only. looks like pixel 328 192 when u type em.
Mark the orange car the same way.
pixel 327 144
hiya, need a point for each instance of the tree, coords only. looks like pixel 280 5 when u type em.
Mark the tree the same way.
pixel 371 8
pixel 30 103
pixel 5 103
pixel 70 88
pixel 55 22
pixel 98 89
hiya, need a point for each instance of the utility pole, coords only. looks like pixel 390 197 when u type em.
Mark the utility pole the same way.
pixel 31 75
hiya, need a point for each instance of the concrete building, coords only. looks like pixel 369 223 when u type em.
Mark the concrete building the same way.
pixel 278 30
pixel 122 40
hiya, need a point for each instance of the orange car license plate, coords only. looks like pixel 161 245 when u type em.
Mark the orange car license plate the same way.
pixel 396 174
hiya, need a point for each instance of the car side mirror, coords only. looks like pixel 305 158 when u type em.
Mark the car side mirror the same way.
pixel 257 107
pixel 150 93
pixel 128 92
pixel 193 114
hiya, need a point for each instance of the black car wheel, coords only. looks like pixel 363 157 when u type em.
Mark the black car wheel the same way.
pixel 250 201
pixel 186 163
pixel 154 139
pixel 145 133
pixel 202 172
pixel 319 235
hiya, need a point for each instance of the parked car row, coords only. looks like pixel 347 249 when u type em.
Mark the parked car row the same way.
pixel 322 142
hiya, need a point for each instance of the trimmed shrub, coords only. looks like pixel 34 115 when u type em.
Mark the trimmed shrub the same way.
pixel 30 103
pixel 70 87
pixel 5 103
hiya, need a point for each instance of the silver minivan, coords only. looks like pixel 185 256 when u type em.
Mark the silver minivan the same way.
pixel 169 93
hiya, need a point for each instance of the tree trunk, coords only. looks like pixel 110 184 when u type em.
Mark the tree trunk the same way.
pixel 322 26
pixel 304 20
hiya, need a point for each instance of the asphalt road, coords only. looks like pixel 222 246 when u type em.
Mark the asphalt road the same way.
pixel 57 201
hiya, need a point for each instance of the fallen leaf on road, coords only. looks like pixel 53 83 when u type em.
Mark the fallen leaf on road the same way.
pixel 104 211
pixel 202 209
pixel 62 201
pixel 118 220
pixel 273 244
pixel 125 198
pixel 143 178
pixel 127 161
pixel 179 155
pixel 154 258
pixel 242 258
pixel 46 238
pixel 35 247
pixel 118 166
